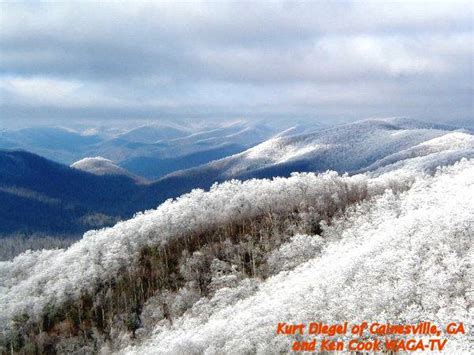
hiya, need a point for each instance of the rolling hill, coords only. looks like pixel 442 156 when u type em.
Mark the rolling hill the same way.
pixel 102 166
pixel 151 150
pixel 39 195
pixel 58 143
pixel 347 148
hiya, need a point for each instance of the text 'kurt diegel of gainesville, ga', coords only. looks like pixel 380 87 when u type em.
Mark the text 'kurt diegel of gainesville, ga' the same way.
pixel 424 336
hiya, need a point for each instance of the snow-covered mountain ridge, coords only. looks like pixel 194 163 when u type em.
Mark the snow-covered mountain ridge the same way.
pixel 187 275
pixel 352 148
pixel 344 148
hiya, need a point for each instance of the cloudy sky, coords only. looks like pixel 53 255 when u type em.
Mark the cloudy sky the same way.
pixel 320 60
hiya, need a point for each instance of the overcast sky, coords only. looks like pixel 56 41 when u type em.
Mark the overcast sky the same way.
pixel 321 60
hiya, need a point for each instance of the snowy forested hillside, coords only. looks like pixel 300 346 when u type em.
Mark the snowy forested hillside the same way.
pixel 348 148
pixel 400 258
pixel 215 271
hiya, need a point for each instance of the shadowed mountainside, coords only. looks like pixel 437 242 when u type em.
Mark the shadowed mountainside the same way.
pixel 38 195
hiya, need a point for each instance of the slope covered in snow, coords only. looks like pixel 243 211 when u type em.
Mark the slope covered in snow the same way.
pixel 428 155
pixel 400 258
pixel 102 166
pixel 101 254
pixel 348 148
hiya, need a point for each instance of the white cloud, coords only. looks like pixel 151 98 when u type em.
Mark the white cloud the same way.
pixel 262 57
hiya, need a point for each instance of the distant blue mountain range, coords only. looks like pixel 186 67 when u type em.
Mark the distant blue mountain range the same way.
pixel 38 195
